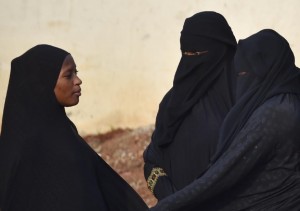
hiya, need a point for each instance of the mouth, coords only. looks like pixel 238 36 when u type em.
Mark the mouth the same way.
pixel 77 92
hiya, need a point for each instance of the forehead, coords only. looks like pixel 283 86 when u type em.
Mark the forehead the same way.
pixel 68 64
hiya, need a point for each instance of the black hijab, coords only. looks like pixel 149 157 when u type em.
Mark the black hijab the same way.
pixel 267 65
pixel 44 163
pixel 205 31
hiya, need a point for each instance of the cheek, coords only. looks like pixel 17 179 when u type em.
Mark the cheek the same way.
pixel 58 93
pixel 61 92
pixel 64 88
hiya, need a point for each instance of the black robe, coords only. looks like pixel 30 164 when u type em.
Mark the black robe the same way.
pixel 45 165
pixel 256 166
pixel 191 113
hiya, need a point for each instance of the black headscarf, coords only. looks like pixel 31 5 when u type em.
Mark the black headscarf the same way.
pixel 44 163
pixel 263 58
pixel 204 31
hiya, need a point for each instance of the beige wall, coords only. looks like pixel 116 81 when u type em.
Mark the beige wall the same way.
pixel 126 50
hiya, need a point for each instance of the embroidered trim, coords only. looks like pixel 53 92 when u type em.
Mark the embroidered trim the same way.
pixel 153 177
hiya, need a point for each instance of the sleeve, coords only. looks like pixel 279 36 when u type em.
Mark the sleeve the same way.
pixel 253 144
pixel 163 186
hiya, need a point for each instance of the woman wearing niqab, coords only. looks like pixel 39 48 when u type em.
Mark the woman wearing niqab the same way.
pixel 256 166
pixel 45 165
pixel 191 113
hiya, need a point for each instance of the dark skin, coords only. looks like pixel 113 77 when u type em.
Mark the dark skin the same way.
pixel 67 89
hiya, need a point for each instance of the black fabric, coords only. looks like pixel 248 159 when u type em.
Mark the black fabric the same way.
pixel 257 165
pixel 195 74
pixel 270 69
pixel 191 113
pixel 44 163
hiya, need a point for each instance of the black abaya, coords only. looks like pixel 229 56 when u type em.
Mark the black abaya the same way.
pixel 257 163
pixel 191 113
pixel 45 165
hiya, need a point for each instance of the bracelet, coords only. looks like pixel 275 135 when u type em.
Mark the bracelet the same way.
pixel 153 177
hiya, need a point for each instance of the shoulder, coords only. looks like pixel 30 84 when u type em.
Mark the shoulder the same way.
pixel 283 104
pixel 280 111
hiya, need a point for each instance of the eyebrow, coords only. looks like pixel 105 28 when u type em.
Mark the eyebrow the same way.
pixel 70 68
pixel 67 72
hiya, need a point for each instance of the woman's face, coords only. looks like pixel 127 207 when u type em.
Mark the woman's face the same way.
pixel 67 89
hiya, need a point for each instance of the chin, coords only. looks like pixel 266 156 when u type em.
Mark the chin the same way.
pixel 71 104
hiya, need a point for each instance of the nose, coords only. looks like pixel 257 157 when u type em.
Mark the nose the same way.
pixel 78 81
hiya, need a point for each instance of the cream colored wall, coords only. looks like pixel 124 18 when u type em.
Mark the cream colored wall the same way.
pixel 126 50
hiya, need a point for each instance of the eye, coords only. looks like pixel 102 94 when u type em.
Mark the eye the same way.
pixel 71 74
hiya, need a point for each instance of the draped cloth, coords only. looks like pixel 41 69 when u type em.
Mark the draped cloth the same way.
pixel 190 114
pixel 256 166
pixel 45 165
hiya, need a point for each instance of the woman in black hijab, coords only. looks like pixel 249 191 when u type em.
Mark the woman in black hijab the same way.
pixel 190 114
pixel 256 166
pixel 45 165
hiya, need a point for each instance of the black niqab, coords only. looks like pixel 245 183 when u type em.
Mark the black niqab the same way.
pixel 191 113
pixel 44 163
pixel 205 31
pixel 265 77
pixel 257 163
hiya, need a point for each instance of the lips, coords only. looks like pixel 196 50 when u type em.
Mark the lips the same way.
pixel 77 92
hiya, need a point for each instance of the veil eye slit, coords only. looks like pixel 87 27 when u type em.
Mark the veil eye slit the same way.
pixel 197 53
pixel 242 73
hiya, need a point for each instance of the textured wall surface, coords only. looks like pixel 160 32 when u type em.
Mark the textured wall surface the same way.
pixel 126 50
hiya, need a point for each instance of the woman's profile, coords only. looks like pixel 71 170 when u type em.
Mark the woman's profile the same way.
pixel 44 163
